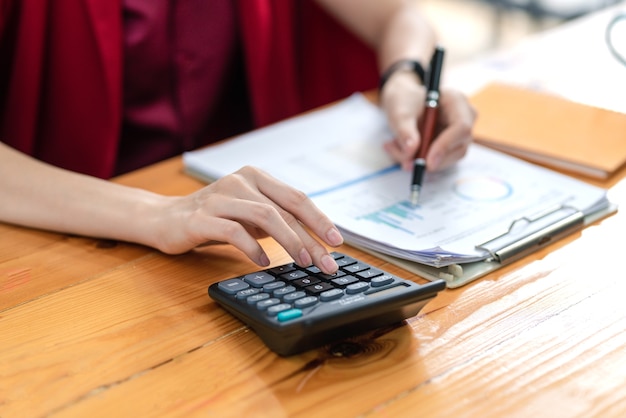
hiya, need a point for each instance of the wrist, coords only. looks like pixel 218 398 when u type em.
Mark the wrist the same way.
pixel 144 218
pixel 160 227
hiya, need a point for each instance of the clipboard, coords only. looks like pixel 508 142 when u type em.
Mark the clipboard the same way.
pixel 523 237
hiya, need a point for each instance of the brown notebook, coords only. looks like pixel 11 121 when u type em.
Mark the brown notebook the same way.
pixel 550 130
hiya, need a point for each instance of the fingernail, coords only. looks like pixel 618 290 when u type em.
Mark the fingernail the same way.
pixel 264 260
pixel 329 264
pixel 305 258
pixel 333 237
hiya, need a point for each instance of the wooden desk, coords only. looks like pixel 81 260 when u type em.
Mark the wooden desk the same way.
pixel 98 328
pixel 92 327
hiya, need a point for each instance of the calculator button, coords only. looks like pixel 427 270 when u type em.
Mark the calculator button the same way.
pixel 383 280
pixel 232 286
pixel 331 294
pixel 345 280
pixel 294 296
pixel 269 287
pixel 288 315
pixel 243 294
pixel 313 270
pixel 293 275
pixel 369 273
pixel 258 279
pixel 319 288
pixel 307 281
pixel 282 269
pixel 305 302
pixel 257 298
pixel 398 286
pixel 338 274
pixel 276 309
pixel 357 287
pixel 279 293
pixel 345 261
pixel 356 267
pixel 264 304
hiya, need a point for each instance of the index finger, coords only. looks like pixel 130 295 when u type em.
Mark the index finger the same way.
pixel 301 206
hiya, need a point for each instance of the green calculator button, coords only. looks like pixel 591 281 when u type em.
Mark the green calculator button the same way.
pixel 288 315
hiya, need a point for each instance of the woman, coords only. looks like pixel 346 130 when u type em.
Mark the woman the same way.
pixel 103 87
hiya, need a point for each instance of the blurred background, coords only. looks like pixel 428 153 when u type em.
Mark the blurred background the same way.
pixel 471 27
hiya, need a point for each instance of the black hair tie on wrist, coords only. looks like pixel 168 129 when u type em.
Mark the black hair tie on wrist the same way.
pixel 405 64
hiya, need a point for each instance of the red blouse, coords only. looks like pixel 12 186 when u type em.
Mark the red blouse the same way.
pixel 182 69
pixel 78 78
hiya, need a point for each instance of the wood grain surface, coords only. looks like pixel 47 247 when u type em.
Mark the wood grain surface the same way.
pixel 102 328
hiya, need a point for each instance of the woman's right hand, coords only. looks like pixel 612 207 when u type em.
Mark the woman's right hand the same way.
pixel 239 209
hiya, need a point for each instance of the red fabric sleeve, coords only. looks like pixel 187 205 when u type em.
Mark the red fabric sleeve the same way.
pixel 61 70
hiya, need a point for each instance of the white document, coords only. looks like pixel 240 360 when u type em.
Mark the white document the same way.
pixel 461 208
pixel 335 155
pixel 313 152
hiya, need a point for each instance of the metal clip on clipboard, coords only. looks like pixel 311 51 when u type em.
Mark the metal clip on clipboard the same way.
pixel 527 234
pixel 523 236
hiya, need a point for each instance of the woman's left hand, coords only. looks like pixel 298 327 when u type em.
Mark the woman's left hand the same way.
pixel 403 100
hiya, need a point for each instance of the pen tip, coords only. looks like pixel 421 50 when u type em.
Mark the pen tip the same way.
pixel 414 197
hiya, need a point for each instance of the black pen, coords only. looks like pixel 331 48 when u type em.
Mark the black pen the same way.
pixel 429 121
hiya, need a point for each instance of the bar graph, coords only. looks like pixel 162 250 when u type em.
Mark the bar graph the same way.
pixel 397 216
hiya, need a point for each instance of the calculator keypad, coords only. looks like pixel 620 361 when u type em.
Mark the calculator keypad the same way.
pixel 291 288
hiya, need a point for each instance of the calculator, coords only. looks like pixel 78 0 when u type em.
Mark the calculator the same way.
pixel 294 309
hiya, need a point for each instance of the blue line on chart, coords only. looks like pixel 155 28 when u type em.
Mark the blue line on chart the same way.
pixel 378 173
